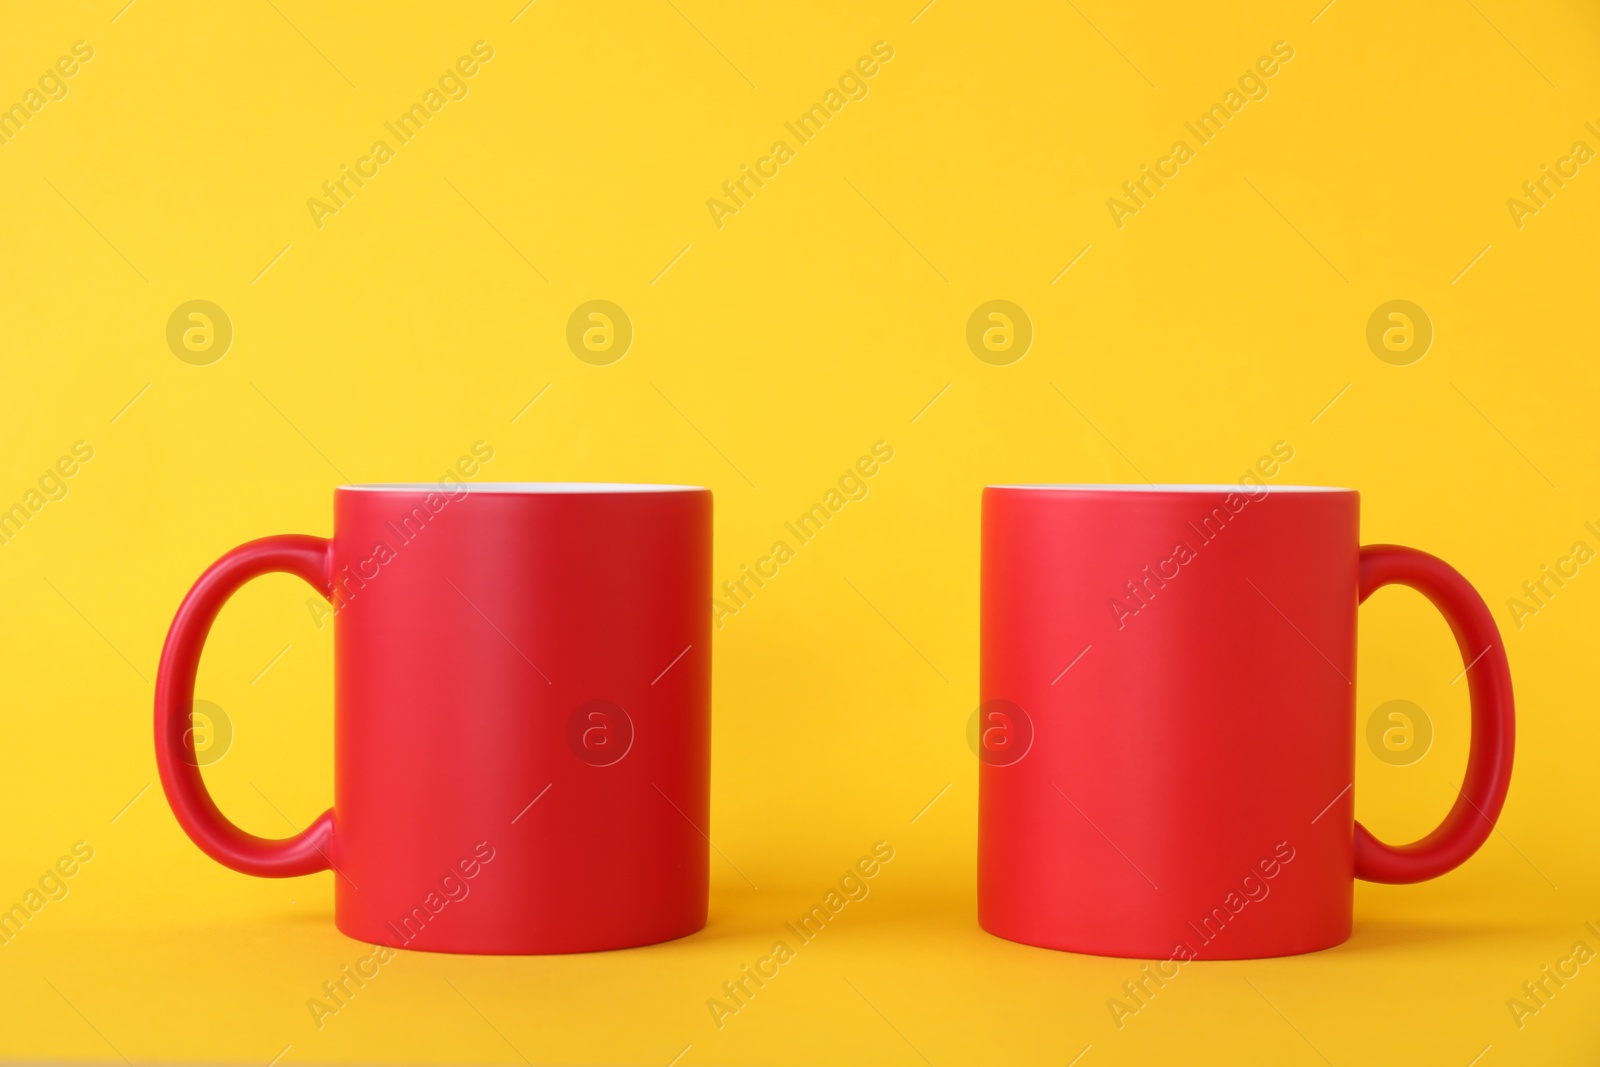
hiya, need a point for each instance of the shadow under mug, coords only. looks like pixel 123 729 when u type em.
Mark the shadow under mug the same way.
pixel 522 714
pixel 1167 726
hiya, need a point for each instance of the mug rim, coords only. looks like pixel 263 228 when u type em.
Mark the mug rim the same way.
pixel 524 488
pixel 1173 488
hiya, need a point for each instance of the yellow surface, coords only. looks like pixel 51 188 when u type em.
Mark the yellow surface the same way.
pixel 1226 314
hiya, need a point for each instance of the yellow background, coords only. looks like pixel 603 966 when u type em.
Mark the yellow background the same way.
pixel 824 316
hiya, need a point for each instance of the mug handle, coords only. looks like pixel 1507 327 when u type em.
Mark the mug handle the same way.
pixel 1478 802
pixel 311 558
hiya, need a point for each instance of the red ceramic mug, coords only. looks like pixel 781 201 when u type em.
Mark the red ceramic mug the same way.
pixel 1168 719
pixel 521 714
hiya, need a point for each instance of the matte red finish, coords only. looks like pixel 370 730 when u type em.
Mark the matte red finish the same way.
pixel 483 801
pixel 1173 778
